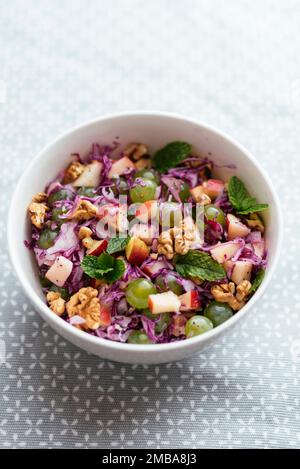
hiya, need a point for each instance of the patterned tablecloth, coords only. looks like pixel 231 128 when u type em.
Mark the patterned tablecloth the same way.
pixel 233 64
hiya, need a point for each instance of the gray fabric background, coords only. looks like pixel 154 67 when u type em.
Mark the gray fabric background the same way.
pixel 233 64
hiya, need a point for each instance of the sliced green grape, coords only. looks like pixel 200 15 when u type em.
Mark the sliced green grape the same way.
pixel 46 239
pixel 168 282
pixel 86 191
pixel 143 190
pixel 217 312
pixel 214 213
pixel 148 174
pixel 62 194
pixel 56 215
pixel 163 320
pixel 197 325
pixel 138 291
pixel 169 213
pixel 138 337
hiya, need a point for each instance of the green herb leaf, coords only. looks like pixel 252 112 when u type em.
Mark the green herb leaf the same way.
pixel 103 267
pixel 240 199
pixel 171 155
pixel 117 272
pixel 253 208
pixel 257 281
pixel 200 265
pixel 117 244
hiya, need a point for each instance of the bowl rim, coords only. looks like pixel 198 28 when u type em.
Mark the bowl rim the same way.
pixel 94 341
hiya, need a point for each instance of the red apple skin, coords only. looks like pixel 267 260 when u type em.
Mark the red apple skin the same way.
pixel 99 247
pixel 147 210
pixel 213 187
pixel 105 316
pixel 136 251
pixel 190 301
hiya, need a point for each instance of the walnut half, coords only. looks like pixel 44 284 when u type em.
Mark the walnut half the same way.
pixel 225 293
pixel 74 170
pixel 84 211
pixel 178 239
pixel 85 303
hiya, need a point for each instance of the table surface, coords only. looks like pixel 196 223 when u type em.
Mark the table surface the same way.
pixel 233 64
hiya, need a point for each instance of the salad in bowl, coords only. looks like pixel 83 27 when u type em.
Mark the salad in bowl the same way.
pixel 144 248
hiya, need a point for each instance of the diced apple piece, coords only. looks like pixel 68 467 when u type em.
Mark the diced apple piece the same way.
pixel 144 232
pixel 105 316
pixel 235 228
pixel 154 268
pixel 147 211
pixel 189 301
pixel 197 193
pixel 228 265
pixel 136 251
pixel 259 248
pixel 241 271
pixel 91 175
pixel 97 247
pixel 166 302
pixel 59 271
pixel 225 251
pixel 120 167
pixel 213 187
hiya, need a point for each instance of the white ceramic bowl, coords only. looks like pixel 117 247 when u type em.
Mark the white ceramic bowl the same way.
pixel 155 129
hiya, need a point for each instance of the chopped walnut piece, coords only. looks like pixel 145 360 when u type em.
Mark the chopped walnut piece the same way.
pixel 143 163
pixel 243 290
pixel 136 151
pixel 74 170
pixel 224 293
pixel 85 303
pixel 37 212
pixel 56 302
pixel 184 236
pixel 39 197
pixel 256 223
pixel 84 232
pixel 178 239
pixel 165 244
pixel 84 211
pixel 154 255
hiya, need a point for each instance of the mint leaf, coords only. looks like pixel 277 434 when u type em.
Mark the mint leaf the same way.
pixel 240 199
pixel 96 267
pixel 200 265
pixel 117 244
pixel 171 155
pixel 253 208
pixel 116 273
pixel 257 281
pixel 103 267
